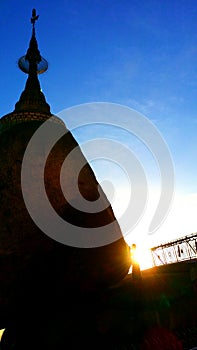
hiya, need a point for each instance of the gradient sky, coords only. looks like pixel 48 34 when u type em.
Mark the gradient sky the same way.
pixel 142 54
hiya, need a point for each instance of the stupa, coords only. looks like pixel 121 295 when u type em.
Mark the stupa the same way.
pixel 35 269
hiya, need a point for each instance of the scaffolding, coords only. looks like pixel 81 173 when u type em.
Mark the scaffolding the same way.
pixel 181 249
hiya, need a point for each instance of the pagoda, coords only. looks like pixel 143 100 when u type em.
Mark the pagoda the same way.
pixel 47 284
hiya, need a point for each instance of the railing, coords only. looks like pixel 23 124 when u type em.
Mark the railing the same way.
pixel 184 248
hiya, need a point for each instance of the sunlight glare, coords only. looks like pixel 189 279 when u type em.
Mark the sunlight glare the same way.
pixel 1 333
pixel 142 256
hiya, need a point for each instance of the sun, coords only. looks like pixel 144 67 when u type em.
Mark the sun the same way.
pixel 142 256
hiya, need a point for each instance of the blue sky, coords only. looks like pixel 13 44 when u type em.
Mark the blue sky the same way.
pixel 142 54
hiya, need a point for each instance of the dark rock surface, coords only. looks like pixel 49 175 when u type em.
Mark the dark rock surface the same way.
pixel 29 258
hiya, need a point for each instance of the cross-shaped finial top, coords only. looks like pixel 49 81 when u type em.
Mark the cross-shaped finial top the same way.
pixel 34 17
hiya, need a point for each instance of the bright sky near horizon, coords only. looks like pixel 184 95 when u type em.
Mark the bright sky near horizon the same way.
pixel 141 54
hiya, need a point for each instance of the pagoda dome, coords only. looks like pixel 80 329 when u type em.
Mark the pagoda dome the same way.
pixel 34 265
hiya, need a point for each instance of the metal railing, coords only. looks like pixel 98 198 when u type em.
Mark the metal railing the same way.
pixel 181 249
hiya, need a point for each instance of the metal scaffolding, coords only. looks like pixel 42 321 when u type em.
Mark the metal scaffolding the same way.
pixel 181 249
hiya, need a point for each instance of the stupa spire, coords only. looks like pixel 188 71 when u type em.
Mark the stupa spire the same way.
pixel 32 98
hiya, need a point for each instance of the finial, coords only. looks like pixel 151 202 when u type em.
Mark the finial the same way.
pixel 33 64
pixel 34 17
pixel 33 60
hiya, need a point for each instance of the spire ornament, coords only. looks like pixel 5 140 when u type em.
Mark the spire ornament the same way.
pixel 34 17
pixel 32 99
